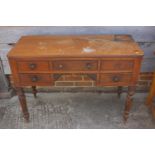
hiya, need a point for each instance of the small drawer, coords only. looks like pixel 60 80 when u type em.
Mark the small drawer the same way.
pixel 76 65
pixel 32 66
pixel 116 65
pixel 35 79
pixel 115 79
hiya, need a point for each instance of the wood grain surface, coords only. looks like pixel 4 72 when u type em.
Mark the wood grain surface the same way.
pixel 75 46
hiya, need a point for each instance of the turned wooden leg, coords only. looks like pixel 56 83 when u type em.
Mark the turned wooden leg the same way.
pixel 153 111
pixel 119 91
pixel 131 91
pixel 151 94
pixel 22 100
pixel 34 90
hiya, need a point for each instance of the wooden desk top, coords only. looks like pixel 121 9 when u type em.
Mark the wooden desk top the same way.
pixel 75 46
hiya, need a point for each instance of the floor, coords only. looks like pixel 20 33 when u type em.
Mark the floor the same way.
pixel 76 111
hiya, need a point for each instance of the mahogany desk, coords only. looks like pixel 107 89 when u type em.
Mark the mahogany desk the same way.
pixel 111 60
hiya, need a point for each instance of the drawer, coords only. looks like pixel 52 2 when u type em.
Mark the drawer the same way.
pixel 116 65
pixel 32 66
pixel 75 65
pixel 35 79
pixel 115 79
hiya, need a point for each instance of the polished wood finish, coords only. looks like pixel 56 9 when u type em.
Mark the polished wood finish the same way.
pixel 33 66
pixel 111 60
pixel 35 79
pixel 75 65
pixel 117 65
pixel 115 79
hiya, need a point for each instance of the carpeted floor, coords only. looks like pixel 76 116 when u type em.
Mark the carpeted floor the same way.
pixel 75 111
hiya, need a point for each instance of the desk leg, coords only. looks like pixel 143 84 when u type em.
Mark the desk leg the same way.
pixel 131 91
pixel 34 90
pixel 151 94
pixel 119 91
pixel 22 100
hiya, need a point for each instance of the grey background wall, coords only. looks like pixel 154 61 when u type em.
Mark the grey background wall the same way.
pixel 143 35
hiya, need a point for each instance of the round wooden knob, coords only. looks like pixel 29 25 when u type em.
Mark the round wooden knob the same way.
pixel 60 66
pixel 34 79
pixel 88 65
pixel 115 78
pixel 32 66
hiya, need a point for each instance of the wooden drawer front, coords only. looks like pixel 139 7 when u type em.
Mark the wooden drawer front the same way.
pixel 115 78
pixel 75 65
pixel 35 79
pixel 117 65
pixel 32 66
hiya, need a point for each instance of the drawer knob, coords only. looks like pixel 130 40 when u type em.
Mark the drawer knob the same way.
pixel 32 66
pixel 34 79
pixel 88 65
pixel 115 78
pixel 60 66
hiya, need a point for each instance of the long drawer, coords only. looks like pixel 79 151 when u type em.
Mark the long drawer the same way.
pixel 32 66
pixel 117 65
pixel 35 79
pixel 112 79
pixel 75 65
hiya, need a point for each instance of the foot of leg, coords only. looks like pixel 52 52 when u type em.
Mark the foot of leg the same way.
pixel 131 91
pixel 119 91
pixel 151 95
pixel 22 100
pixel 34 90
